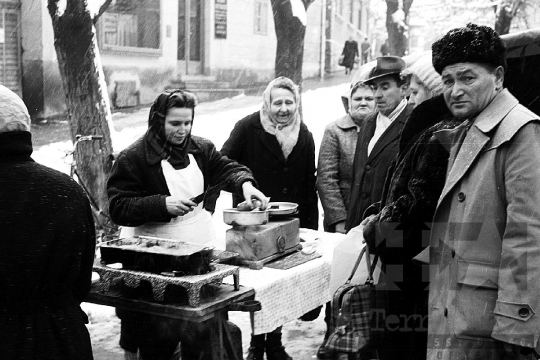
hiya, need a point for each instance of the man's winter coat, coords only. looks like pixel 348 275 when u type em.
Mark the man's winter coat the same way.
pixel 47 247
pixel 484 247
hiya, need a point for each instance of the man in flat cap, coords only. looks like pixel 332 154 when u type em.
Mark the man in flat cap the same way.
pixel 484 292
pixel 47 245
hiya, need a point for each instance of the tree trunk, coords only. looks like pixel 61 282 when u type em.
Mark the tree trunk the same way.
pixel 290 34
pixel 86 96
pixel 506 10
pixel 397 39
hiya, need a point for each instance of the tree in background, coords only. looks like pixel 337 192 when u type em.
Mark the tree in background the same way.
pixel 290 24
pixel 506 11
pixel 86 93
pixel 397 18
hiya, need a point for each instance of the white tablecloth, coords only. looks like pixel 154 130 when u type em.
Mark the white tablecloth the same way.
pixel 286 295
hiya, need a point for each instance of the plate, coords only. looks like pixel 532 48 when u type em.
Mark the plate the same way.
pixel 282 208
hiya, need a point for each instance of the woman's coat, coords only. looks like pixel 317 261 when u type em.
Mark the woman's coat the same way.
pixel 291 179
pixel 485 240
pixel 334 169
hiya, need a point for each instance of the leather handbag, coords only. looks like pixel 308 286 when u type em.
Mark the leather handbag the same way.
pixel 351 321
pixel 341 59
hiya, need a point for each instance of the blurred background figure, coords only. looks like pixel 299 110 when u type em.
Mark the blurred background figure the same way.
pixel 277 146
pixel 334 170
pixel 385 48
pixel 349 53
pixel 47 249
pixel 365 48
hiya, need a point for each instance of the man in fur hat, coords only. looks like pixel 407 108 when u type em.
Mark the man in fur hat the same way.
pixel 47 245
pixel 484 287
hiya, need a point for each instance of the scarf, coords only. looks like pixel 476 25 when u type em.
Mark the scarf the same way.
pixel 285 133
pixel 176 155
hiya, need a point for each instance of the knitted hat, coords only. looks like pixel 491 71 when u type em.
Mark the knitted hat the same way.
pixel 424 71
pixel 13 112
pixel 472 43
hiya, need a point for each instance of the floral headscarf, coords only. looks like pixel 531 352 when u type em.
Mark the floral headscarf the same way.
pixel 285 133
pixel 176 155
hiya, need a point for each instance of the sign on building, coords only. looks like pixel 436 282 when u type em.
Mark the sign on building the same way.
pixel 220 19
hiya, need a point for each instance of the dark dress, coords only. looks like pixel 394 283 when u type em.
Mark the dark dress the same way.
pixel 350 51
pixel 291 180
pixel 47 247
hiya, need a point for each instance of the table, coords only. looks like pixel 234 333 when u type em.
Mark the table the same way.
pixel 212 310
pixel 286 295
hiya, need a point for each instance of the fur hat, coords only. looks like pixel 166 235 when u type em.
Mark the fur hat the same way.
pixel 13 112
pixel 424 71
pixel 472 43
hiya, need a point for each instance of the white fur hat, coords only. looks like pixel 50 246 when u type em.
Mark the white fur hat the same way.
pixel 13 112
pixel 425 72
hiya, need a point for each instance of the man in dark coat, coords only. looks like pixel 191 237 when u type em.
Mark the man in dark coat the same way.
pixel 378 141
pixel 47 249
pixel 349 53
pixel 365 47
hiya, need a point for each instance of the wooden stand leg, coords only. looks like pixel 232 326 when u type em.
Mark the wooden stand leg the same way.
pixel 216 337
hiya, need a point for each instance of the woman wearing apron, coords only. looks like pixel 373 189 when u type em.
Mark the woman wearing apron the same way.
pixel 149 190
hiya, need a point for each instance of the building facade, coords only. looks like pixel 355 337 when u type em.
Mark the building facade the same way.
pixel 149 45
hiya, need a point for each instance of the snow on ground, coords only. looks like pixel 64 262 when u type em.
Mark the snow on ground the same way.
pixel 214 121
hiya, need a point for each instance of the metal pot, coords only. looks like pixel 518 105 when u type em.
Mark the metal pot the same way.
pixel 245 218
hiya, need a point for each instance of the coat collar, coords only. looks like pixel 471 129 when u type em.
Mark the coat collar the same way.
pixel 152 157
pixel 392 132
pixel 346 123
pixel 476 139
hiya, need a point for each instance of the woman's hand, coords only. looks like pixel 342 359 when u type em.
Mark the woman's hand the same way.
pixel 179 207
pixel 340 227
pixel 252 194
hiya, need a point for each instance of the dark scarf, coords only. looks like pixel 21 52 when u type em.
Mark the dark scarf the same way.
pixel 176 155
pixel 15 145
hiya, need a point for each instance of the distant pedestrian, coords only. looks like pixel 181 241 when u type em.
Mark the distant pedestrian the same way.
pixel 47 247
pixel 365 47
pixel 350 51
pixel 385 49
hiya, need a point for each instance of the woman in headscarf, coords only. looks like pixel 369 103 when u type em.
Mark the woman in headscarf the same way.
pixel 334 170
pixel 278 147
pixel 149 190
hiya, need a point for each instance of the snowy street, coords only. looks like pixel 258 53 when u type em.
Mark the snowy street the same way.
pixel 213 120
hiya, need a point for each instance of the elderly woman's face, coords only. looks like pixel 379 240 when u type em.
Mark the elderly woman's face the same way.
pixel 282 104
pixel 362 101
pixel 178 125
pixel 419 93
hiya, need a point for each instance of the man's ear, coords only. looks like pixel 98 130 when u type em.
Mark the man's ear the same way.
pixel 499 77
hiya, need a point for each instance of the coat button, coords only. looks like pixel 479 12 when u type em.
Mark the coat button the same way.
pixel 453 253
pixel 285 169
pixel 284 190
pixel 461 197
pixel 368 167
pixel 445 312
pixel 523 312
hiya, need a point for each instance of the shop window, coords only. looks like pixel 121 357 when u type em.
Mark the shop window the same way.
pixel 131 24
pixel 261 17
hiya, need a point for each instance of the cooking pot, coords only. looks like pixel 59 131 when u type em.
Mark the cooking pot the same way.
pixel 245 218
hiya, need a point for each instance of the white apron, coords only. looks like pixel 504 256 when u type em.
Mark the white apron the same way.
pixel 196 226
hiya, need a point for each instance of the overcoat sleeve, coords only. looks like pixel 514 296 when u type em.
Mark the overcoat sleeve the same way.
pixel 87 233
pixel 311 179
pixel 328 179
pixel 129 202
pixel 517 310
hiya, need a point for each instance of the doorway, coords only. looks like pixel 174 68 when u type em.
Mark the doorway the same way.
pixel 190 47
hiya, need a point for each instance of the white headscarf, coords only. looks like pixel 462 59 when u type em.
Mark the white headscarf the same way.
pixel 13 112
pixel 285 133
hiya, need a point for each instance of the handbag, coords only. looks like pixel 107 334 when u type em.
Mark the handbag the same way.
pixel 340 60
pixel 352 317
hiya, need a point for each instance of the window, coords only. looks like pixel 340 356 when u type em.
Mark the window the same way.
pixel 261 17
pixel 131 24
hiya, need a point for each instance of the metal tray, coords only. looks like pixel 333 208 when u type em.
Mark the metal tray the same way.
pixel 157 255
pixel 282 208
